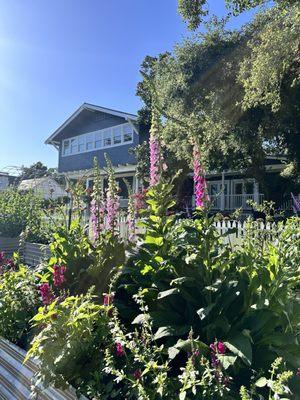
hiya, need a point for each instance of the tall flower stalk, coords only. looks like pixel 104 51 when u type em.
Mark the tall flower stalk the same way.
pixel 131 213
pixel 112 199
pixel 97 205
pixel 155 151
pixel 200 185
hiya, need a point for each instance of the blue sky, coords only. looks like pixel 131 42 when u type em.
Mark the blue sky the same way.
pixel 55 55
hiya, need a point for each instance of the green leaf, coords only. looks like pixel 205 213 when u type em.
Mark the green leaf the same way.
pixel 168 292
pixel 140 319
pixel 164 331
pixel 173 352
pixel 158 241
pixel 227 361
pixel 262 382
pixel 241 346
pixel 182 396
pixel 204 312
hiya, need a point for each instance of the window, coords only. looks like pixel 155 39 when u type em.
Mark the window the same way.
pixel 127 134
pixel 249 187
pixel 117 135
pixel 98 140
pixel 89 141
pixel 66 147
pixel 107 138
pixel 81 143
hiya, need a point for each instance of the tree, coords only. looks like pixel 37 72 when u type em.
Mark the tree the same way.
pixel 193 11
pixel 36 170
pixel 206 91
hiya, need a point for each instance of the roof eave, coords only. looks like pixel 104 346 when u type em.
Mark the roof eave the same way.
pixel 87 106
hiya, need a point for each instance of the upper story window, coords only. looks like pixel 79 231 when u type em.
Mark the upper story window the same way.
pixel 105 138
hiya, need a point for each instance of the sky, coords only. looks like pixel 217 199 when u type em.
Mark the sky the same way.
pixel 56 55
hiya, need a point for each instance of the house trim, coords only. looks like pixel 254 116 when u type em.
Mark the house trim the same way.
pixel 86 106
pixel 99 148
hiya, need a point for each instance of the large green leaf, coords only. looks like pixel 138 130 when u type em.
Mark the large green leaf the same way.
pixel 241 346
pixel 164 331
pixel 167 293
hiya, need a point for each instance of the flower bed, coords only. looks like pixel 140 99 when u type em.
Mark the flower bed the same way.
pixel 175 312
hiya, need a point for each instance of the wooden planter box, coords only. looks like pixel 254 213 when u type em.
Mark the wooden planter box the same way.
pixel 9 245
pixel 35 253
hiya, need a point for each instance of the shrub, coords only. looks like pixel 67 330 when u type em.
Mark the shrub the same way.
pixel 18 212
pixel 70 344
pixel 190 279
pixel 18 304
pixel 86 263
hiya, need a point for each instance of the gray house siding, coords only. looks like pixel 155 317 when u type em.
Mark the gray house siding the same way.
pixel 117 155
pixel 90 121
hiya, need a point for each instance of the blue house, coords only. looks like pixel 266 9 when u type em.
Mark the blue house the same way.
pixel 91 131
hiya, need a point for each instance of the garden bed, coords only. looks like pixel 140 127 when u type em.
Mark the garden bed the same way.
pixel 35 253
pixel 9 245
pixel 15 377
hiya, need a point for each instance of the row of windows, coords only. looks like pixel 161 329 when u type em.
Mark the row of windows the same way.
pixel 115 136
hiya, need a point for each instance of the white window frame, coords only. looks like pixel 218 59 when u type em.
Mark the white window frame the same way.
pixel 101 131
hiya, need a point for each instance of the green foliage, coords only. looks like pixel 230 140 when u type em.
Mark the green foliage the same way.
pixel 145 367
pixel 237 92
pixel 72 335
pixel 274 55
pixel 36 170
pixel 18 304
pixel 87 263
pixel 277 384
pixel 19 212
pixel 193 11
pixel 189 279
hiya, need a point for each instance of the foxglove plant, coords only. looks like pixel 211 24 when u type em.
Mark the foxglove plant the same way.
pixel 200 186
pixel 112 199
pixel 97 205
pixel 46 293
pixel 131 212
pixel 59 275
pixel 155 152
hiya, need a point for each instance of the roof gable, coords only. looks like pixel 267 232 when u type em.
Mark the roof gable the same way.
pixel 53 139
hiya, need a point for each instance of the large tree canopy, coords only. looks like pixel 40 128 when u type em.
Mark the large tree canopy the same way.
pixel 193 11
pixel 235 92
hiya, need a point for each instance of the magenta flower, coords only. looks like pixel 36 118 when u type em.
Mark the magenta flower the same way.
pixel 2 256
pixel 59 275
pixel 200 186
pixel 112 207
pixel 137 374
pixel 155 152
pixel 217 348
pixel 97 217
pixel 108 298
pixel 46 293
pixel 119 350
pixel 112 199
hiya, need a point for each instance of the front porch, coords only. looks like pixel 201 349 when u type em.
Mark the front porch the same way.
pixel 231 202
pixel 122 173
pixel 233 193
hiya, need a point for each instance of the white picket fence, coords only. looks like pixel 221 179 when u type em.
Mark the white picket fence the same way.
pixel 233 231
pixel 268 230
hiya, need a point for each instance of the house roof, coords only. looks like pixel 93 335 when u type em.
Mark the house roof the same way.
pixel 28 184
pixel 91 107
